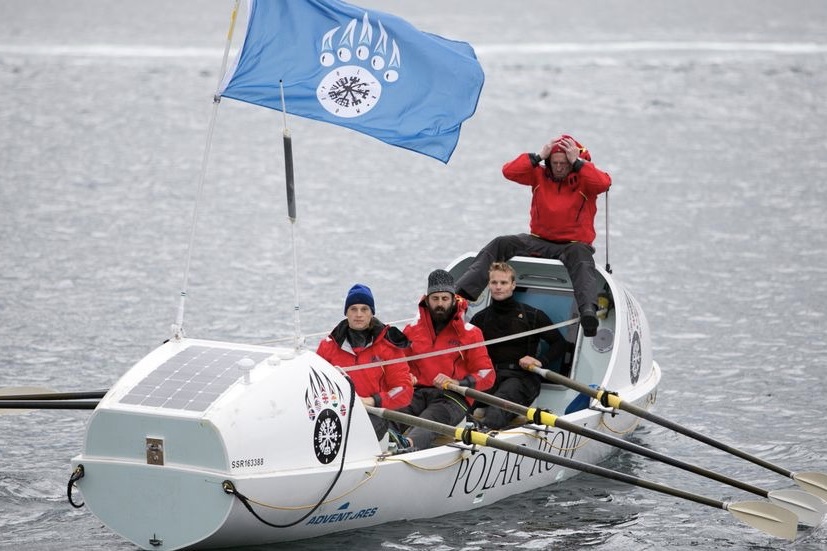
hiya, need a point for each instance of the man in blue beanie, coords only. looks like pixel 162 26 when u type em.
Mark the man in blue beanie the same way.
pixel 361 338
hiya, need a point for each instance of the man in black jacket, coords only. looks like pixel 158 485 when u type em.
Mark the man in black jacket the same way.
pixel 506 316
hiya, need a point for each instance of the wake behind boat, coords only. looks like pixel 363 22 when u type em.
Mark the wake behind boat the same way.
pixel 213 444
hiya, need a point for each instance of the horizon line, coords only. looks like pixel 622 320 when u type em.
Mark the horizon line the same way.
pixel 127 51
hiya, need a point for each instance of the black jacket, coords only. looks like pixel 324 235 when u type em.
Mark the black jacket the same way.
pixel 507 317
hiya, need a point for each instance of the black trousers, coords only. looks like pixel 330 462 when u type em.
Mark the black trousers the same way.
pixel 578 258
pixel 380 426
pixel 514 386
pixel 438 405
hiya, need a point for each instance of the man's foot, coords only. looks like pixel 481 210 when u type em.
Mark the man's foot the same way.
pixel 406 447
pixel 464 294
pixel 588 319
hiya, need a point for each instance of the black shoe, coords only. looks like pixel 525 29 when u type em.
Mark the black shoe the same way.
pixel 588 319
pixel 406 449
pixel 464 294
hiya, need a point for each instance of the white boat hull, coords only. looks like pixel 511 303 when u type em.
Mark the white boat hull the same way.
pixel 188 422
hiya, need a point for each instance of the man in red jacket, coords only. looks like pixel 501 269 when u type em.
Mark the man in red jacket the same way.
pixel 440 326
pixel 361 338
pixel 563 207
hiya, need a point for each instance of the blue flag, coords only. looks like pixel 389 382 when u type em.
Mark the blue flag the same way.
pixel 362 69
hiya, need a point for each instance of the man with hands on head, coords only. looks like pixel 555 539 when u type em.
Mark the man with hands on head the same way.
pixel 564 185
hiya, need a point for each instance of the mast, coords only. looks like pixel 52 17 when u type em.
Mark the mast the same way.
pixel 178 326
pixel 291 214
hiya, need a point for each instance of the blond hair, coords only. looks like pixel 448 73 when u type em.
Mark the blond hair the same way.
pixel 503 267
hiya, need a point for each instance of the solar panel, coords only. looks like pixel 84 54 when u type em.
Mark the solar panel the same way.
pixel 192 379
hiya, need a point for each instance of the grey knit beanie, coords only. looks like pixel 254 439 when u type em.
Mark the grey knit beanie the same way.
pixel 440 281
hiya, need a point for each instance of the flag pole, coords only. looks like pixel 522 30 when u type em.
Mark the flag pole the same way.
pixel 178 326
pixel 291 213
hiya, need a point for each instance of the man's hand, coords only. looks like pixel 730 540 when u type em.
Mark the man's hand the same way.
pixel 442 379
pixel 528 361
pixel 571 149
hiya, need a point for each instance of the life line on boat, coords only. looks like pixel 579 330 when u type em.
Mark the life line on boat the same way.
pixel 229 488
pixel 77 474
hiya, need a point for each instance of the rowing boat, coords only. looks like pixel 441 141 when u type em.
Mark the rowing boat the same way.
pixel 213 444
pixel 207 444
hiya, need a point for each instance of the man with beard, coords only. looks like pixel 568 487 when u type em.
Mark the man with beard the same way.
pixel 563 206
pixel 503 317
pixel 440 326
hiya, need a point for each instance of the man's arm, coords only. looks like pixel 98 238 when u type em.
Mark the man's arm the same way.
pixel 521 170
pixel 482 374
pixel 593 180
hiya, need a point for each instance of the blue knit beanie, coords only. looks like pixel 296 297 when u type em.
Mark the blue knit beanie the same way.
pixel 360 294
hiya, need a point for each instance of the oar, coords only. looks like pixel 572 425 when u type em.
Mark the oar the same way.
pixel 767 517
pixel 34 393
pixel 808 508
pixel 48 404
pixel 25 398
pixel 813 482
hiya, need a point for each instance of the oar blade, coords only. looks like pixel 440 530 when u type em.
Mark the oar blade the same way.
pixel 813 482
pixel 809 509
pixel 772 519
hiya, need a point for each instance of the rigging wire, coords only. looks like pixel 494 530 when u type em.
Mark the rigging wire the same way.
pixel 178 326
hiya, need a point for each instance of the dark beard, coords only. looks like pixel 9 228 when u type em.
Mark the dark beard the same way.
pixel 440 318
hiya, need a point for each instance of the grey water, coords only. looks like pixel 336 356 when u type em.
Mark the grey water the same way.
pixel 711 117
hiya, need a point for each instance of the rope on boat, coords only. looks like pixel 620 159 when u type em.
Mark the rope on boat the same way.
pixel 368 476
pixel 631 428
pixel 229 487
pixel 542 428
pixel 402 459
pixel 650 401
pixel 76 475
pixel 463 347
pixel 322 334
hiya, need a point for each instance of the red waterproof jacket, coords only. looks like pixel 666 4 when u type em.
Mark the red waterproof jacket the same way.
pixel 560 211
pixel 390 385
pixel 472 367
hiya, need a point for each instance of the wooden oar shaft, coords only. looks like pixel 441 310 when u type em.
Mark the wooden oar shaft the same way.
pixel 552 420
pixel 614 401
pixel 56 395
pixel 481 439
pixel 48 404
